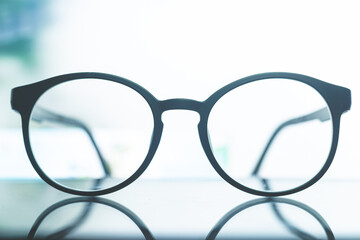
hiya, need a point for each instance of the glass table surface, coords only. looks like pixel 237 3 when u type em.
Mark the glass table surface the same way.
pixel 179 209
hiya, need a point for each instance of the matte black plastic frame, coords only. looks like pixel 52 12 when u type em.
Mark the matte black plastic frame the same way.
pixel 24 98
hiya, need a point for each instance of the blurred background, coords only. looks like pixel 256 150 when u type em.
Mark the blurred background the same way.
pixel 178 49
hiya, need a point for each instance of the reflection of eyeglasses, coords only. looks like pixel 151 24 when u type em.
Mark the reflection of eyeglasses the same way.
pixel 84 126
pixel 90 203
pixel 276 204
pixel 79 220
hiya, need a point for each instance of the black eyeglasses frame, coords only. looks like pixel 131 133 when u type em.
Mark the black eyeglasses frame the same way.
pixel 24 98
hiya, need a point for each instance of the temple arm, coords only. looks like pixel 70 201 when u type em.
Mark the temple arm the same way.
pixel 41 114
pixel 321 115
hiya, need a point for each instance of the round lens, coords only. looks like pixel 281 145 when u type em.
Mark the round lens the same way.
pixel 278 130
pixel 90 134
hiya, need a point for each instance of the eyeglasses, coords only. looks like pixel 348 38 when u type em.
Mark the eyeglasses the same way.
pixel 94 133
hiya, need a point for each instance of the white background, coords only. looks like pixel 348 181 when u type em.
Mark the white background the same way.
pixel 189 49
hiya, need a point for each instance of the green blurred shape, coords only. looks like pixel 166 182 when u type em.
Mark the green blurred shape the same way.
pixel 20 24
pixel 222 155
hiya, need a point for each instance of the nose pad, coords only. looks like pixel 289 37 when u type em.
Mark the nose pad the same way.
pixel 180 153
pixel 180 128
pixel 209 138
